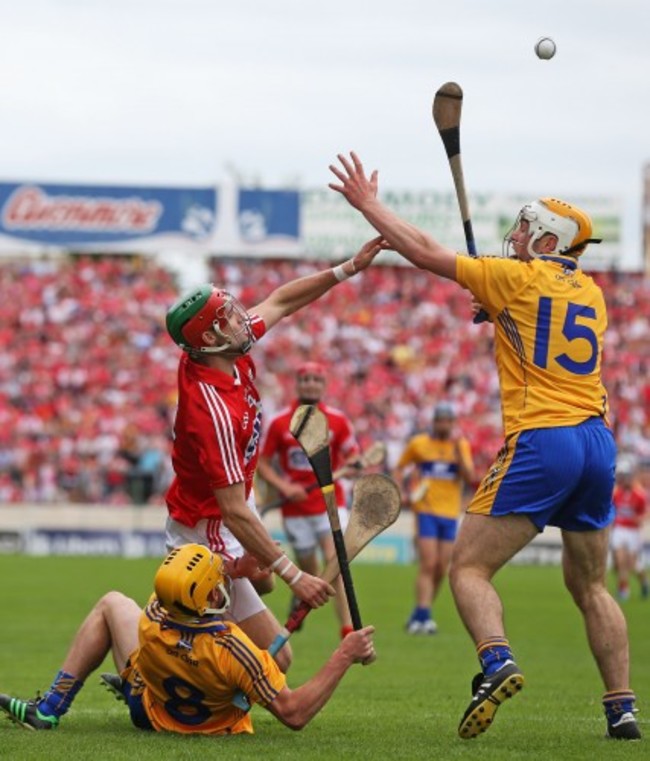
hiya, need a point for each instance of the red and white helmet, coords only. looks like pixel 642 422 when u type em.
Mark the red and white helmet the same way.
pixel 210 308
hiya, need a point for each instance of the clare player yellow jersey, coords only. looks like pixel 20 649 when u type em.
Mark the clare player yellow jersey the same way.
pixel 549 320
pixel 188 672
pixel 436 461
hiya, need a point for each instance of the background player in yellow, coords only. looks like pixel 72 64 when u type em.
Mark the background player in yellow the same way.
pixel 434 467
pixel 181 661
pixel 557 464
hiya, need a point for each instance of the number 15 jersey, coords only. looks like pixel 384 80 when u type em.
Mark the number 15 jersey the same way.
pixel 550 319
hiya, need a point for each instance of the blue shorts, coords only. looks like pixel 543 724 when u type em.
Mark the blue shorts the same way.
pixel 133 698
pixel 556 476
pixel 434 527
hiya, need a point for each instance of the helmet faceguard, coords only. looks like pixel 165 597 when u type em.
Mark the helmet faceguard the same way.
pixel 210 308
pixel 186 582
pixel 571 226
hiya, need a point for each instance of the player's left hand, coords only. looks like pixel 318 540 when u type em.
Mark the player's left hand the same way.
pixel 358 645
pixel 363 258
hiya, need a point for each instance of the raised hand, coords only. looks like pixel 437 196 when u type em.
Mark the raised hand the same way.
pixel 355 186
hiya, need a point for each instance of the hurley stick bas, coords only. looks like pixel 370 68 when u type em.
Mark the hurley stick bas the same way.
pixel 310 428
pixel 376 504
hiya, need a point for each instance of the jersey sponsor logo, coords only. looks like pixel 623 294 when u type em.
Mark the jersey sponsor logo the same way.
pixel 439 469
pixel 568 276
pixel 253 442
pixel 297 459
pixel 183 656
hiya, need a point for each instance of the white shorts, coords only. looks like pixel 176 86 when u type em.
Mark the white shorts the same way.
pixel 304 532
pixel 211 533
pixel 624 537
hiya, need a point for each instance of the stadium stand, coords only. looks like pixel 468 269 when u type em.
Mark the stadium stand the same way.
pixel 88 374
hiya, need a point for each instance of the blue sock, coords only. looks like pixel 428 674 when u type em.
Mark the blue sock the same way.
pixel 421 614
pixel 58 699
pixel 618 702
pixel 493 653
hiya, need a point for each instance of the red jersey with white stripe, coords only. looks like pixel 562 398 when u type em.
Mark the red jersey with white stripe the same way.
pixel 216 434
pixel 278 440
pixel 630 505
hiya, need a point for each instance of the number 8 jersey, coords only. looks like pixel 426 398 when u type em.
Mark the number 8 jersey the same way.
pixel 184 674
pixel 550 318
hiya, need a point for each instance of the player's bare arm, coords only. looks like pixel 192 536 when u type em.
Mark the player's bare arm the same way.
pixel 296 294
pixel 255 539
pixel 419 248
pixel 295 708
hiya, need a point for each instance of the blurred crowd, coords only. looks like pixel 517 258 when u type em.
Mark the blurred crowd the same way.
pixel 88 373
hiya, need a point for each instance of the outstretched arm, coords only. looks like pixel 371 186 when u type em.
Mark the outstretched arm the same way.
pixel 294 295
pixel 413 244
pixel 295 708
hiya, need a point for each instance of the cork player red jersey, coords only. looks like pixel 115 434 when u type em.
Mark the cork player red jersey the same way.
pixel 278 440
pixel 630 504
pixel 216 434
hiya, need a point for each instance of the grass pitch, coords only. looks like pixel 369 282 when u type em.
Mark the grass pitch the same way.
pixel 405 706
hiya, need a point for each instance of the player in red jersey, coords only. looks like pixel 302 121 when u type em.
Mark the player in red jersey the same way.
pixel 217 432
pixel 303 512
pixel 630 503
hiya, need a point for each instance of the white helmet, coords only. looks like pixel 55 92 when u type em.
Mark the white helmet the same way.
pixel 571 226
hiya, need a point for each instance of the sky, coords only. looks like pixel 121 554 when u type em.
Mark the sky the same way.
pixel 196 92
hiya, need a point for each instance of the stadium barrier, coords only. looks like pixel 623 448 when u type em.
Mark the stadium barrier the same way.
pixel 139 532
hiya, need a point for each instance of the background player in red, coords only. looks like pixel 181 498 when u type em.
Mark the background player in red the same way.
pixel 630 503
pixel 303 512
pixel 180 662
pixel 217 432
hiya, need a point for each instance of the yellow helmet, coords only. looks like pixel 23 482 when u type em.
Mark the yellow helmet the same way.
pixel 185 581
pixel 571 226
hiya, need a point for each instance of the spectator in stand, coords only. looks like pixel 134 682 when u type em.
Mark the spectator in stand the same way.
pixel 630 503
pixel 93 358
pixel 285 467
pixel 441 462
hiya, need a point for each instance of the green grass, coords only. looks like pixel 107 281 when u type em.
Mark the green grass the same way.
pixel 405 706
